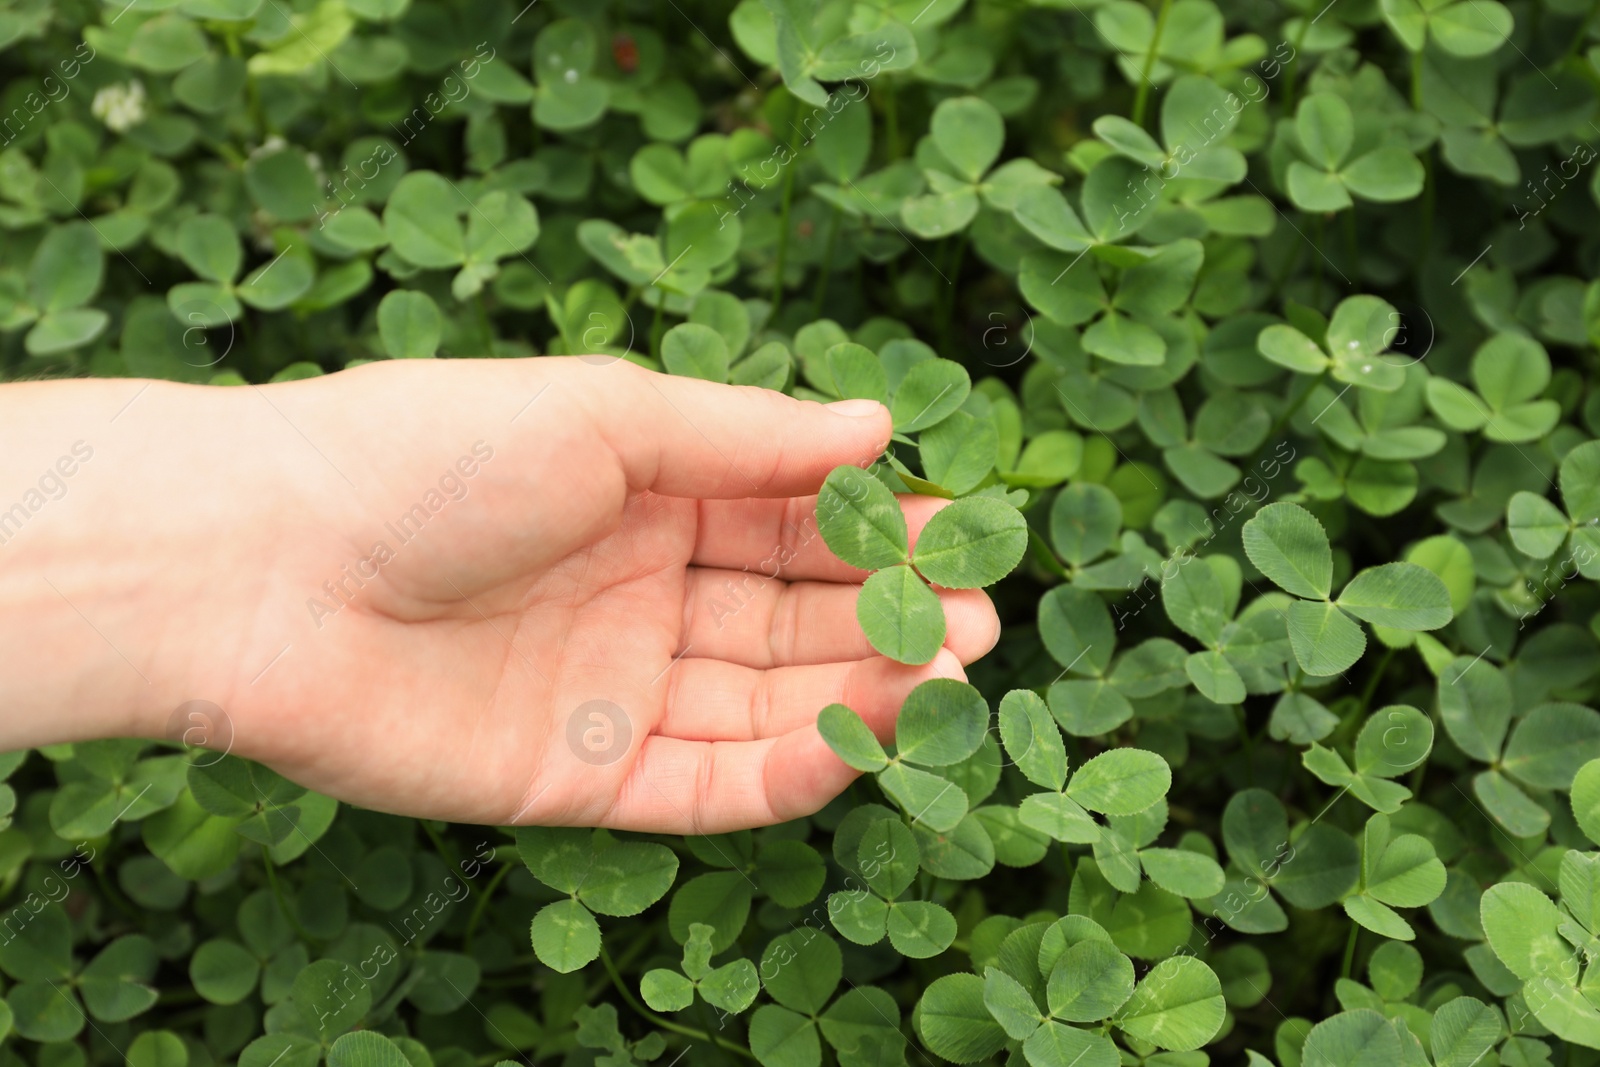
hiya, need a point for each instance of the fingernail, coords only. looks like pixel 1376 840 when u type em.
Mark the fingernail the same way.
pixel 855 408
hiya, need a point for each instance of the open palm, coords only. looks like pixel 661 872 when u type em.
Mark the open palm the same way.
pixel 544 591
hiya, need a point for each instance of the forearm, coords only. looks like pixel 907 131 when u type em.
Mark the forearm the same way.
pixel 103 492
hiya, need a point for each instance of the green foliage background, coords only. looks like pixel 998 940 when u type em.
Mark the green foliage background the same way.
pixel 1257 343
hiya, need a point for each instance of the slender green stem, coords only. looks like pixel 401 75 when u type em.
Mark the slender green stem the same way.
pixel 283 901
pixel 1372 682
pixel 656 324
pixel 947 306
pixel 112 894
pixel 629 954
pixel 1249 745
pixel 224 150
pixel 483 902
pixel 258 111
pixel 188 1017
pixel 891 120
pixel 705 1020
pixel 1416 81
pixel 483 322
pixel 1290 262
pixel 1429 190
pixel 1141 96
pixel 827 265
pixel 1293 68
pixel 783 232
pixel 1580 35
pixel 1415 783
pixel 665 1024
pixel 1316 264
pixel 1350 950
pixel 1351 250
pixel 1295 404
pixel 446 853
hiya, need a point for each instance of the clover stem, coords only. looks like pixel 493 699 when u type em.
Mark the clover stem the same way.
pixel 827 265
pixel 948 304
pixel 1316 264
pixel 1372 682
pixel 1282 421
pixel 447 854
pixel 1249 746
pixel 1045 556
pixel 258 112
pixel 483 902
pixel 783 233
pixel 656 324
pixel 665 1024
pixel 1350 949
pixel 1290 262
pixel 1579 35
pixel 283 901
pixel 1415 784
pixel 891 119
pixel 112 894
pixel 1416 80
pixel 1350 248
pixel 1292 67
pixel 705 1020
pixel 629 954
pixel 225 150
pixel 1429 188
pixel 1141 96
pixel 483 321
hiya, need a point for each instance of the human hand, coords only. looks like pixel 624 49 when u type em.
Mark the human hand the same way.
pixel 502 591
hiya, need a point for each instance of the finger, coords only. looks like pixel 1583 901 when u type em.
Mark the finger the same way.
pixel 693 787
pixel 746 618
pixel 681 436
pixel 780 539
pixel 712 700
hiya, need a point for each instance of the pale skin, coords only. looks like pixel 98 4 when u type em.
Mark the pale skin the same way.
pixel 204 552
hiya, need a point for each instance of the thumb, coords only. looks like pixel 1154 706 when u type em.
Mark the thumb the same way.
pixel 692 438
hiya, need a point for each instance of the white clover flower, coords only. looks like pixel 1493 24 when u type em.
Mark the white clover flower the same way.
pixel 119 106
pixel 269 146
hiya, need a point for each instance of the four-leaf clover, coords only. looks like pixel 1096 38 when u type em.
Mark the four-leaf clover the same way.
pixel 972 542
